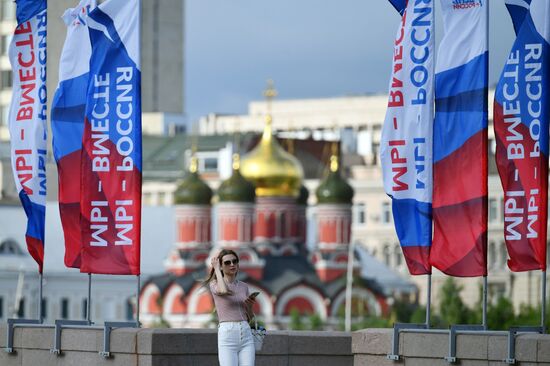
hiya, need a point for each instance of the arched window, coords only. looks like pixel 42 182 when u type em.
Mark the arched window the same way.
pixel 10 246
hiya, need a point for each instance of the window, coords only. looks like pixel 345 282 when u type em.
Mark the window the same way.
pixel 503 255
pixel 398 256
pixel 8 10
pixel 386 213
pixel 21 308
pixel 6 77
pixel 492 256
pixel 64 308
pixel 210 165
pixel 493 210
pixel 5 41
pixel 360 213
pixel 386 254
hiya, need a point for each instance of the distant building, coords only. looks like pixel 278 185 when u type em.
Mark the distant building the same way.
pixel 266 224
pixel 162 60
pixel 356 121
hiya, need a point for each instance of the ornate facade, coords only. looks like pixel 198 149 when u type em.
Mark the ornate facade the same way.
pixel 260 213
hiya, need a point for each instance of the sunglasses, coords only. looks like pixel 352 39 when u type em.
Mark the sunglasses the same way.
pixel 233 261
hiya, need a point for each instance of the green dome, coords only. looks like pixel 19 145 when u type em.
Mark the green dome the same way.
pixel 237 189
pixel 334 188
pixel 303 196
pixel 193 191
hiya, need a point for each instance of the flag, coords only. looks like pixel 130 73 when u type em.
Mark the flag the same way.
pixel 459 245
pixel 27 119
pixel 406 146
pixel 67 120
pixel 110 200
pixel 521 113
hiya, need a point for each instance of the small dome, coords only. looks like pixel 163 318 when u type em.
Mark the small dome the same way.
pixel 193 190
pixel 236 188
pixel 303 197
pixel 334 188
pixel 273 171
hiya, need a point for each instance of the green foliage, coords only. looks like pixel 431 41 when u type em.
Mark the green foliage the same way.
pixel 500 315
pixel 315 322
pixel 296 320
pixel 452 309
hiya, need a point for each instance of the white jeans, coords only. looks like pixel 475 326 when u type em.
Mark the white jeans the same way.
pixel 235 344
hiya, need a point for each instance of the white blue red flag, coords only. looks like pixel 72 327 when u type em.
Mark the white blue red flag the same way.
pixel 67 118
pixel 459 245
pixel 110 200
pixel 27 118
pixel 521 114
pixel 406 147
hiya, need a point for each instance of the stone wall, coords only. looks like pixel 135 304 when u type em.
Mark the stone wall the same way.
pixel 184 347
pixel 167 347
pixel 370 347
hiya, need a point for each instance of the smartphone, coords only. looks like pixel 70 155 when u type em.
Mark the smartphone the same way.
pixel 253 295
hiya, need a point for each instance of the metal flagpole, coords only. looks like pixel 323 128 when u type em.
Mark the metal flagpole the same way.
pixel 543 305
pixel 428 301
pixel 40 301
pixel 349 281
pixel 137 300
pixel 484 304
pixel 89 304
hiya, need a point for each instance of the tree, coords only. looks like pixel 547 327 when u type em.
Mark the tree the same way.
pixel 452 309
pixel 500 316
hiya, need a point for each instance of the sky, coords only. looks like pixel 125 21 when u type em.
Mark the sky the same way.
pixel 310 48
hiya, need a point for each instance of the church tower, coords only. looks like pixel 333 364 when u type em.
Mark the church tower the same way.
pixel 334 203
pixel 277 176
pixel 193 223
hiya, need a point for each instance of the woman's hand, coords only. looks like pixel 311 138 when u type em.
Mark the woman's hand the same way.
pixel 215 262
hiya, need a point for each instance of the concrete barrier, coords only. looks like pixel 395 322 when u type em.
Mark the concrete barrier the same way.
pixel 370 347
pixel 167 347
pixel 183 347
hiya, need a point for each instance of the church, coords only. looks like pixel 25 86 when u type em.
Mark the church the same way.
pixel 260 213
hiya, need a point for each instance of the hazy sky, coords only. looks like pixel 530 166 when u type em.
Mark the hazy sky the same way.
pixel 311 48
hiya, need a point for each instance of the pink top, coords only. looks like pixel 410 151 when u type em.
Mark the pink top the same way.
pixel 230 308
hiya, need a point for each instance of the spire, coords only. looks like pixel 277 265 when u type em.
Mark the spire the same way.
pixel 194 164
pixel 236 161
pixel 269 93
pixel 334 157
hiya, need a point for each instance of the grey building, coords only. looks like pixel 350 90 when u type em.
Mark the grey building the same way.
pixel 162 55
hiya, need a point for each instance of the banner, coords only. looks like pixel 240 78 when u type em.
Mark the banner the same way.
pixel 521 113
pixel 67 120
pixel 110 201
pixel 459 246
pixel 27 119
pixel 406 146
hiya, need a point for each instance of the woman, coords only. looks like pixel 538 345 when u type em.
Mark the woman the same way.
pixel 234 308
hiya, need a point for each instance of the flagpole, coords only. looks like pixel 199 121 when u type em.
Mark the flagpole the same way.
pixel 137 300
pixel 485 208
pixel 484 304
pixel 349 281
pixel 89 304
pixel 543 305
pixel 428 301
pixel 40 301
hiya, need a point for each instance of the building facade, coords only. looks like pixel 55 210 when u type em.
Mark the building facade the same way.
pixel 261 215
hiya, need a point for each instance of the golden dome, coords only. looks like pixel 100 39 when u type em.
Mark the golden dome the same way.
pixel 273 171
